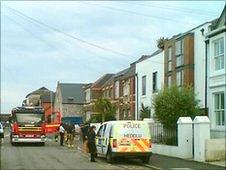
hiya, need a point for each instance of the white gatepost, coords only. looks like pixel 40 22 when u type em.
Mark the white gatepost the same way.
pixel 184 125
pixel 201 133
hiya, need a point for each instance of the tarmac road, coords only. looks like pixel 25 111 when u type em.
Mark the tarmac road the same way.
pixel 53 156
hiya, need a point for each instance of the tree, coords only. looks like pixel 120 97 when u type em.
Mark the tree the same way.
pixel 174 102
pixel 106 109
pixel 144 112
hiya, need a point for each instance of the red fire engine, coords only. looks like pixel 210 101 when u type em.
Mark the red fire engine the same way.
pixel 28 125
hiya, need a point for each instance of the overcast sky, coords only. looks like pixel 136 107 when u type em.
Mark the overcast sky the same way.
pixel 33 55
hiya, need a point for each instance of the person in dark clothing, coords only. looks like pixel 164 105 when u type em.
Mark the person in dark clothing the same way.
pixel 62 131
pixel 66 127
pixel 70 132
pixel 91 143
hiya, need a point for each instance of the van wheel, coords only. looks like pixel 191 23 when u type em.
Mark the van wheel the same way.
pixel 145 159
pixel 109 156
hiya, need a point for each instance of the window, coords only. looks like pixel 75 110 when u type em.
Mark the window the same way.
pixel 88 95
pixel 144 85
pixel 154 81
pixel 219 108
pixel 117 89
pixel 169 58
pixel 219 53
pixel 169 80
pixel 126 88
pixel 179 51
pixel 180 77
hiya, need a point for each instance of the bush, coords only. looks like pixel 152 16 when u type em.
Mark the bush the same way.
pixel 144 112
pixel 174 102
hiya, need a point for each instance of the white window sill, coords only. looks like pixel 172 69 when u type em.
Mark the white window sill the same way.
pixel 143 96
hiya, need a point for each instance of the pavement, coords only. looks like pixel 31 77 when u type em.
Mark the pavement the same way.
pixel 166 162
pixel 218 163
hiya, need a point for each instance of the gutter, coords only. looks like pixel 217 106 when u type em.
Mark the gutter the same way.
pixel 206 59
pixel 136 117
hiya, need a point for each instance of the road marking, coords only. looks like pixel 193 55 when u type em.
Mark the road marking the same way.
pixel 153 167
pixel 181 169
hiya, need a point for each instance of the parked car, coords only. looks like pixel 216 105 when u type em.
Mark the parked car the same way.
pixel 131 139
pixel 1 131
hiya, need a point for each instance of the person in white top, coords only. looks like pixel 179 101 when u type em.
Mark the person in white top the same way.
pixel 61 130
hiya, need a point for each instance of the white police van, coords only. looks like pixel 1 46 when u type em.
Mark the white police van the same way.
pixel 124 139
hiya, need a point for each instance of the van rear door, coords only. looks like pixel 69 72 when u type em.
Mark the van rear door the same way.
pixel 132 136
pixel 100 139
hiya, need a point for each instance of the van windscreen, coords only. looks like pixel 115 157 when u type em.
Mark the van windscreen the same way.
pixel 131 130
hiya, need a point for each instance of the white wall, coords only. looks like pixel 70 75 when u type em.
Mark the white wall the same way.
pixel 148 67
pixel 199 63
pixel 214 153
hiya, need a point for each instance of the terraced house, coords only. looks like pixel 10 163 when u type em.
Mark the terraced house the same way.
pixel 216 75
pixel 150 79
pixel 92 93
pixel 185 63
pixel 125 93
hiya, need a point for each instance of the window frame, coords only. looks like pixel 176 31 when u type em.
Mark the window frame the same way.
pixel 144 84
pixel 179 55
pixel 219 113
pixel 218 56
pixel 169 84
pixel 181 78
pixel 117 89
pixel 169 59
pixel 154 81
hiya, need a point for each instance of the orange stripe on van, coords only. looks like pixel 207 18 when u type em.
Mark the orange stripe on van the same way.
pixel 138 145
pixel 146 142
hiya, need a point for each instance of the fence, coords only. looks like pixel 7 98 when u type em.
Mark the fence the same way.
pixel 161 135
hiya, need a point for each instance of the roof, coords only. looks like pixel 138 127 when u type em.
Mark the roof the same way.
pixel 217 21
pixel 72 92
pixel 39 91
pixel 110 81
pixel 48 97
pixel 130 72
pixel 189 31
pixel 86 86
pixel 144 57
pixel 121 73
pixel 100 82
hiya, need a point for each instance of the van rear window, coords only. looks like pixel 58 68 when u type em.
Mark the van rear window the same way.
pixel 131 130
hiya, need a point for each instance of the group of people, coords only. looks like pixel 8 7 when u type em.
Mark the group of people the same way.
pixel 67 133
pixel 88 136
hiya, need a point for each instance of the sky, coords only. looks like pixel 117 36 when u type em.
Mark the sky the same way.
pixel 78 42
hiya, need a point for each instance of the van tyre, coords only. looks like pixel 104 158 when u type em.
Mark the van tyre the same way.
pixel 109 156
pixel 145 159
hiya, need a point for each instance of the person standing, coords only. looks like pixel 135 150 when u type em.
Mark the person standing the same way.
pixel 62 131
pixel 91 143
pixel 71 135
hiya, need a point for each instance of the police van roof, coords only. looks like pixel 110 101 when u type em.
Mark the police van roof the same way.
pixel 124 121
